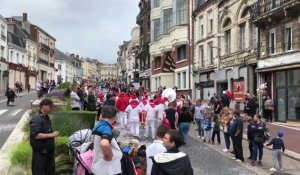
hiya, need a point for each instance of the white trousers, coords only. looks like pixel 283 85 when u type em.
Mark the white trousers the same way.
pixel 135 128
pixel 207 135
pixel 150 124
pixel 123 118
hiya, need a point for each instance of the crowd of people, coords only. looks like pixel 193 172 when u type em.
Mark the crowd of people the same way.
pixel 168 124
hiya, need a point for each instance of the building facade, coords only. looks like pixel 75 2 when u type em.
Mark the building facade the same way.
pixel 122 55
pixel 108 71
pixel 132 66
pixel 143 55
pixel 3 55
pixel 78 71
pixel 66 70
pixel 90 69
pixel 169 46
pixel 278 55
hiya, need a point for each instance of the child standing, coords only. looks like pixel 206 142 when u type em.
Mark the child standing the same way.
pixel 133 110
pixel 207 129
pixel 278 149
pixel 216 129
pixel 150 118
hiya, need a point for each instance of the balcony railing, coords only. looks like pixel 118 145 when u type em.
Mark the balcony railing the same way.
pixel 3 36
pixel 2 59
pixel 263 7
pixel 43 61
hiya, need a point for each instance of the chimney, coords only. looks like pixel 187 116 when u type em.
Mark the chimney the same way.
pixel 77 56
pixel 72 55
pixel 24 16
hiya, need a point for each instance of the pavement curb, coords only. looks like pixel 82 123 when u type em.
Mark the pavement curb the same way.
pixel 287 153
pixel 15 137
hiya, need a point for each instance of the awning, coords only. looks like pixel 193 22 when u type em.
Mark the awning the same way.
pixel 287 61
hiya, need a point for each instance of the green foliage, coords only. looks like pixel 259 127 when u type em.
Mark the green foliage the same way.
pixel 21 154
pixel 64 85
pixel 68 122
pixel 63 165
pixel 61 146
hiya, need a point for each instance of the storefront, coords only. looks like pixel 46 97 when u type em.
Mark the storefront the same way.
pixel 287 91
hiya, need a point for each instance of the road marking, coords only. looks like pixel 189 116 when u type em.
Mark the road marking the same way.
pixel 3 111
pixel 2 101
pixel 7 127
pixel 16 112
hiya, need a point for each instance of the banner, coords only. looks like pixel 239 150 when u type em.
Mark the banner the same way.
pixel 239 91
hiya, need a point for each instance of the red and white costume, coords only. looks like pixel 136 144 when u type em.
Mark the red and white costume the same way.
pixel 121 105
pixel 133 110
pixel 150 118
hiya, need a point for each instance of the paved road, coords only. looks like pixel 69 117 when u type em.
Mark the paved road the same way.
pixel 10 116
pixel 205 161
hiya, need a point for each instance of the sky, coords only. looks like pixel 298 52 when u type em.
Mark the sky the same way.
pixel 90 28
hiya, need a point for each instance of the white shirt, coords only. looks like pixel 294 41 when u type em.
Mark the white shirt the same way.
pixel 151 114
pixel 152 150
pixel 103 167
pixel 142 106
pixel 199 112
pixel 133 114
pixel 75 100
pixel 160 109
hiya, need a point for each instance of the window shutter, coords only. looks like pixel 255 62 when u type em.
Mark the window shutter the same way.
pixel 152 30
pixel 174 12
pixel 162 26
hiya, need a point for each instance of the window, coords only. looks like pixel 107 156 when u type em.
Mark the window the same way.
pixel 201 27
pixel 11 56
pixel 184 79
pixel 288 39
pixel 242 36
pixel 180 12
pixel 181 53
pixel 59 67
pixel 157 62
pixel 227 42
pixel 2 52
pixel 210 53
pixel 209 22
pixel 155 29
pixel 201 55
pixel 155 3
pixel 178 81
pixel 23 59
pixel 166 21
pixel 18 60
pixel 254 36
pixel 272 41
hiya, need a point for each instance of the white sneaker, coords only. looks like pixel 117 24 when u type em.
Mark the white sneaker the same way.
pixel 238 160
pixel 202 138
pixel 198 137
pixel 272 169
pixel 233 158
pixel 225 150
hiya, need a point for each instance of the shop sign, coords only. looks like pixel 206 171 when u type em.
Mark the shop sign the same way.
pixel 239 91
pixel 207 84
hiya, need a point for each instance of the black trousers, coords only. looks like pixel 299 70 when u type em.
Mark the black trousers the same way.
pixel 218 136
pixel 250 148
pixel 42 164
pixel 237 147
pixel 268 115
pixel 8 100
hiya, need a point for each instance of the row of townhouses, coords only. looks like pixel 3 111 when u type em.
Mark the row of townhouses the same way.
pixel 28 55
pixel 207 46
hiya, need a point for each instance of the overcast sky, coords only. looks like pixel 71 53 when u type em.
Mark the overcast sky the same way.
pixel 90 28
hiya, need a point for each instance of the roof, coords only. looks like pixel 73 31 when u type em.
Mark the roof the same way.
pixel 59 55
pixel 16 39
pixel 3 19
pixel 40 29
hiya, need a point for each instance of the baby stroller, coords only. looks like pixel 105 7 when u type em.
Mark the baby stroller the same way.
pixel 80 151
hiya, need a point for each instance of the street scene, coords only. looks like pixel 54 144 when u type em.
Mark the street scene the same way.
pixel 150 87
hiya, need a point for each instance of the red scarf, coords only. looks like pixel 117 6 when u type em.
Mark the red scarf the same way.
pixel 152 105
pixel 134 104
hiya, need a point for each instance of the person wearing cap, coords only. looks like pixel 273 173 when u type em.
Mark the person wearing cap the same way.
pixel 42 140
pixel 107 153
pixel 278 150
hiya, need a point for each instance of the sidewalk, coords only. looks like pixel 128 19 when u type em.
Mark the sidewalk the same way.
pixel 290 166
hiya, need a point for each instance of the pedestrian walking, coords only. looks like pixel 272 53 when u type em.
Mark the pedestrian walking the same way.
pixel 172 115
pixel 226 119
pixel 207 129
pixel 121 104
pixel 133 110
pixel 75 100
pixel 42 140
pixel 216 129
pixel 11 95
pixel 28 88
pixel 150 118
pixel 257 132
pixel 278 150
pixel 268 109
pixel 199 117
pixel 184 123
pixel 236 131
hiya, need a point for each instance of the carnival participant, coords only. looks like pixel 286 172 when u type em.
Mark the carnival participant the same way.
pixel 121 105
pixel 150 118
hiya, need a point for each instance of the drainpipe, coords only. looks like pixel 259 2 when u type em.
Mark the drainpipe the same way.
pixel 190 7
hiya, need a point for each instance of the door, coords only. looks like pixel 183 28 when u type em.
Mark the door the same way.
pixel 221 86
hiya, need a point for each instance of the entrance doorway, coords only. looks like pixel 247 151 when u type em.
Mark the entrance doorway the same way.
pixel 221 86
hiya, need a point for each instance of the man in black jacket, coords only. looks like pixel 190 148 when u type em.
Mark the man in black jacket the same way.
pixel 42 140
pixel 172 162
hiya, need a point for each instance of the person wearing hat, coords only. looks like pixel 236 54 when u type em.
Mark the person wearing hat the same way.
pixel 42 140
pixel 278 150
